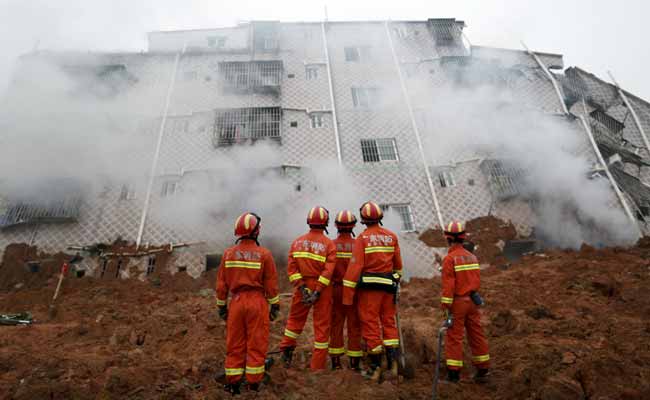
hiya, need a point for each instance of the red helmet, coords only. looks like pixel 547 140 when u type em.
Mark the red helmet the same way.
pixel 370 212
pixel 345 219
pixel 318 216
pixel 247 225
pixel 455 229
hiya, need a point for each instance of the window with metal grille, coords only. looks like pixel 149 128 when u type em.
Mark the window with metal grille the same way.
pixel 614 125
pixel 446 179
pixel 445 31
pixel 365 97
pixel 311 72
pixel 505 179
pixel 316 120
pixel 255 75
pixel 180 125
pixel 357 53
pixel 245 124
pixel 127 192
pixel 64 209
pixel 404 213
pixel 169 188
pixel 375 150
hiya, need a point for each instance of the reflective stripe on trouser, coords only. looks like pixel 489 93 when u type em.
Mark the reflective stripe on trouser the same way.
pixel 247 336
pixel 342 315
pixel 466 317
pixel 377 315
pixel 321 317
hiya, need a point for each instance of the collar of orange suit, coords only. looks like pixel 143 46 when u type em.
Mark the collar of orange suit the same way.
pixel 317 230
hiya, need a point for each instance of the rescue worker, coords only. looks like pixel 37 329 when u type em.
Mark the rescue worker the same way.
pixel 248 272
pixel 375 270
pixel 311 264
pixel 461 280
pixel 345 222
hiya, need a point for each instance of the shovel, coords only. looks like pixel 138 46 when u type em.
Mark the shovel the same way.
pixel 407 370
pixel 52 311
pixel 446 325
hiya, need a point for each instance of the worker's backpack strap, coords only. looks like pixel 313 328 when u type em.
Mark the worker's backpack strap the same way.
pixel 378 281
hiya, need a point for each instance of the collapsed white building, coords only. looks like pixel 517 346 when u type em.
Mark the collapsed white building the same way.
pixel 168 146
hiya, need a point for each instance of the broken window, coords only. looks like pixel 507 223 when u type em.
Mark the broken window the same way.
pixel 169 188
pixel 505 179
pixel 127 192
pixel 311 72
pixel 365 97
pixel 404 213
pixel 446 179
pixel 612 124
pixel 316 120
pixel 251 76
pixel 216 41
pixel 247 124
pixel 375 150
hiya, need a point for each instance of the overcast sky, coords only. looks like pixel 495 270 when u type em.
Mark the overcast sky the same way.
pixel 596 35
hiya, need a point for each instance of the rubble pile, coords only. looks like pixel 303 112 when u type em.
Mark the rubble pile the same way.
pixel 561 325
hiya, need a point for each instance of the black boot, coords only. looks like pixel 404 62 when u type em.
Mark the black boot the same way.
pixel 355 363
pixel 374 371
pixel 254 387
pixel 392 355
pixel 453 375
pixel 482 375
pixel 287 355
pixel 336 362
pixel 232 388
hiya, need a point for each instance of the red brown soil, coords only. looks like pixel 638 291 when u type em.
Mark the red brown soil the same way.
pixel 484 232
pixel 564 325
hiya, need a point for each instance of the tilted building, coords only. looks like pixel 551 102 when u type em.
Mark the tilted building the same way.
pixel 359 93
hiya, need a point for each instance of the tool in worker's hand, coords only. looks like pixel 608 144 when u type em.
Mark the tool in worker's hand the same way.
pixel 445 325
pixel 52 311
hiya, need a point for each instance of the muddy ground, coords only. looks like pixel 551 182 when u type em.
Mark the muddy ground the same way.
pixel 561 325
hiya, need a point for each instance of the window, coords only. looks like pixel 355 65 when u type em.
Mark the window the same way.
pixel 365 97
pixel 316 120
pixel 127 192
pixel 216 41
pixel 181 125
pixel 404 213
pixel 311 72
pixel 356 54
pixel 375 150
pixel 270 43
pixel 151 265
pixel 446 179
pixel 240 125
pixel 169 189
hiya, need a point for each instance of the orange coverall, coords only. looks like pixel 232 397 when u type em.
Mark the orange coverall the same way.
pixel 311 262
pixel 460 276
pixel 340 313
pixel 248 272
pixel 375 251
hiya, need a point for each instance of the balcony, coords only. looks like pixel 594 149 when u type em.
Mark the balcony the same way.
pixel 247 125
pixel 251 77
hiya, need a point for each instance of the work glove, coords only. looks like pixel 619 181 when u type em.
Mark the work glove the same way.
pixel 275 310
pixel 306 294
pixel 223 312
pixel 397 277
pixel 314 297
pixel 449 319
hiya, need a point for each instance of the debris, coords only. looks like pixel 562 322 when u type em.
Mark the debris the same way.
pixel 569 358
pixel 24 318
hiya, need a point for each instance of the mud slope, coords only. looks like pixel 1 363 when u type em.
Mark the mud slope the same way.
pixel 563 325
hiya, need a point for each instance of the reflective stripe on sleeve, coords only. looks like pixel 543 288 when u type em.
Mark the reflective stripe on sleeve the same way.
pixel 221 302
pixel 323 280
pixel 466 267
pixel 391 342
pixel 292 335
pixel 311 256
pixel 244 264
pixel 274 300
pixel 349 284
pixel 379 249
pixel 343 254
pixel 377 349
pixel 446 300
pixel 295 277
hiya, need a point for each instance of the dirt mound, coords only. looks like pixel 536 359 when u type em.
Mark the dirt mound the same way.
pixel 488 234
pixel 561 325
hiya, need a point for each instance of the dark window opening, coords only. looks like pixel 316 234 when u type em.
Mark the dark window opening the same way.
pixel 242 125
